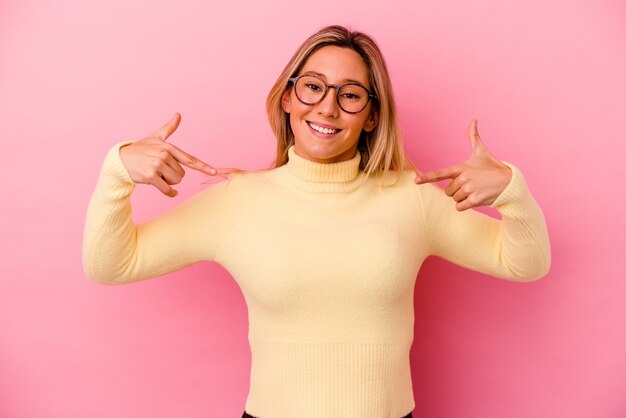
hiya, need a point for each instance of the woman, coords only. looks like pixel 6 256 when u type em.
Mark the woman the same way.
pixel 326 244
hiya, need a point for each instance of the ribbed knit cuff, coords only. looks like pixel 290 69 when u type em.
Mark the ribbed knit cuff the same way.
pixel 113 163
pixel 514 191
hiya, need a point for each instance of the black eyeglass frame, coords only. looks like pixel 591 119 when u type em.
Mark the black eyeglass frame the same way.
pixel 327 87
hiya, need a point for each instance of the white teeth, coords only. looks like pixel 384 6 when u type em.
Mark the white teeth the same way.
pixel 323 130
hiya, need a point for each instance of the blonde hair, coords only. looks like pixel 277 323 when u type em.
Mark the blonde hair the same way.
pixel 381 149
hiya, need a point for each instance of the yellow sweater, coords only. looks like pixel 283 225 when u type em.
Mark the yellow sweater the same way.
pixel 327 265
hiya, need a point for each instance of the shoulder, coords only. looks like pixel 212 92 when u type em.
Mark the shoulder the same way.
pixel 395 184
pixel 394 179
pixel 426 193
pixel 247 179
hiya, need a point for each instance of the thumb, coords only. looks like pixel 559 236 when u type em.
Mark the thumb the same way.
pixel 166 130
pixel 477 143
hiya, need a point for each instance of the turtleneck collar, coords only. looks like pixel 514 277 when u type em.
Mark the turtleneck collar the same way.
pixel 312 176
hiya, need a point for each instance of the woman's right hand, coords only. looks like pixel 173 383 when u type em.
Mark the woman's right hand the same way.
pixel 151 160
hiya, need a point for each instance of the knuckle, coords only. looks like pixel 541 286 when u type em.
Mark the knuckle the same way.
pixel 161 158
pixel 159 163
pixel 153 176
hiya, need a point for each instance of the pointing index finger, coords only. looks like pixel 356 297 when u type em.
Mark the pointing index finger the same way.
pixel 190 161
pixel 440 174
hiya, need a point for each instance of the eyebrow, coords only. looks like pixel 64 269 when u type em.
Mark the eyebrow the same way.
pixel 349 80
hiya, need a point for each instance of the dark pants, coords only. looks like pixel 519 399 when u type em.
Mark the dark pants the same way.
pixel 246 415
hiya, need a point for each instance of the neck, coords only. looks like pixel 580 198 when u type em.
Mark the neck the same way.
pixel 323 177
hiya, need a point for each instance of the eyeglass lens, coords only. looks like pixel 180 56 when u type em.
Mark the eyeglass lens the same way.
pixel 352 97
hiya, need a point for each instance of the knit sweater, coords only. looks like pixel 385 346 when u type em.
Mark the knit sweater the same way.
pixel 326 262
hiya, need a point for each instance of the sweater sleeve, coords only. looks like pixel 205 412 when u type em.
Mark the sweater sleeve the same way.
pixel 116 251
pixel 514 248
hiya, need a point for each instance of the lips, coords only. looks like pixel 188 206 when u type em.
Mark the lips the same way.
pixel 325 126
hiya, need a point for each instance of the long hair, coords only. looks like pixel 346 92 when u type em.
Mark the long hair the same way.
pixel 381 149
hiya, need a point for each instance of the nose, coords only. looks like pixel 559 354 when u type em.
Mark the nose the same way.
pixel 329 106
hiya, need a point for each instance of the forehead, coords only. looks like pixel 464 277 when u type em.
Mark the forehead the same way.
pixel 337 65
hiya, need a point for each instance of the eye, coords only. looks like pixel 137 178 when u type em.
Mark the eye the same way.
pixel 353 92
pixel 313 86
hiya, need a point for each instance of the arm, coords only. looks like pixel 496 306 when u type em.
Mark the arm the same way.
pixel 116 251
pixel 515 248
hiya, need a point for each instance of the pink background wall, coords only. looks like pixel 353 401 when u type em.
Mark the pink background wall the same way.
pixel 545 80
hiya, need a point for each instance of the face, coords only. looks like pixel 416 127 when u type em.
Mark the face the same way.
pixel 334 65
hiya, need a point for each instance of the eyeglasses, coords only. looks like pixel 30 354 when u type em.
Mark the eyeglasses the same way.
pixel 351 97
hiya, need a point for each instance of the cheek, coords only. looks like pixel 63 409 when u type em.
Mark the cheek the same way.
pixel 357 123
pixel 298 108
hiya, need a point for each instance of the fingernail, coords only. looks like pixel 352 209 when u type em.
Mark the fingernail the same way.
pixel 213 171
pixel 419 179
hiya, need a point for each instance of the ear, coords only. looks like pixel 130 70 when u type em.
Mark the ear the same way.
pixel 286 100
pixel 371 121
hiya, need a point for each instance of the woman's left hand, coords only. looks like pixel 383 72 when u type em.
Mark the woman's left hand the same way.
pixel 477 181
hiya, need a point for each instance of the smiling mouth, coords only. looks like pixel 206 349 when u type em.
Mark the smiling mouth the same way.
pixel 326 132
